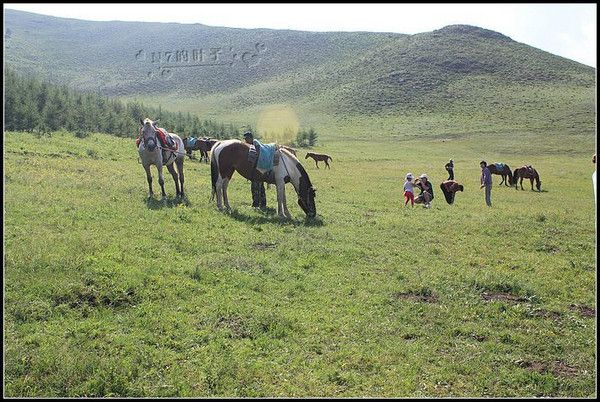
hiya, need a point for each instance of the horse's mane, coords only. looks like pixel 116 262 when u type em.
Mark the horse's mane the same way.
pixel 305 183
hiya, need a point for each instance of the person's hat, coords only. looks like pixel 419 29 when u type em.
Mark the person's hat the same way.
pixel 409 176
pixel 248 134
pixel 423 176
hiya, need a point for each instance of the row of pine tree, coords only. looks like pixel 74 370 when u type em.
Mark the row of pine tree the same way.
pixel 35 106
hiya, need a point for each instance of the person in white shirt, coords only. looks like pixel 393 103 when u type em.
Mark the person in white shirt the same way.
pixel 409 186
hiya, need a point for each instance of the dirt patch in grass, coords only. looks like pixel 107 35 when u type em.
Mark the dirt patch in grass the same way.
pixel 423 298
pixel 554 315
pixel 585 311
pixel 507 297
pixel 236 325
pixel 264 246
pixel 556 368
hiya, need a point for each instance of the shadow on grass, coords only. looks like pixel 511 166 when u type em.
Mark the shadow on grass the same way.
pixel 270 216
pixel 169 202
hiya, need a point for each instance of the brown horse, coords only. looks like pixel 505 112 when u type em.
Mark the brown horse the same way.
pixel 232 155
pixel 203 145
pixel 319 158
pixel 527 172
pixel 503 170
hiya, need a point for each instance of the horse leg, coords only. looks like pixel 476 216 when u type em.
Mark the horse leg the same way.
pixel 317 163
pixel 161 181
pixel 225 199
pixel 180 171
pixel 531 181
pixel 171 169
pixel 521 183
pixel 327 164
pixel 149 178
pixel 219 191
pixel 282 210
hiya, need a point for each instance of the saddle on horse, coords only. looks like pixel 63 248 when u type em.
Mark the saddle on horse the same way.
pixel 263 157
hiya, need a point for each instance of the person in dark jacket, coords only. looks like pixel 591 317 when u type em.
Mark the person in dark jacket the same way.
pixel 450 168
pixel 426 188
pixel 257 187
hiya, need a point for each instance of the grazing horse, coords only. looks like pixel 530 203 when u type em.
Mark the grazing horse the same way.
pixel 202 144
pixel 152 152
pixel 527 172
pixel 231 155
pixel 319 158
pixel 503 170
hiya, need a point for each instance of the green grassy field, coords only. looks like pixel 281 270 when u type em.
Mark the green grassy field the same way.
pixel 108 294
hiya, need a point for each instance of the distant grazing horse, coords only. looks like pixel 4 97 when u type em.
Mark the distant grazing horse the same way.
pixel 231 155
pixel 503 170
pixel 203 145
pixel 152 152
pixel 319 158
pixel 527 172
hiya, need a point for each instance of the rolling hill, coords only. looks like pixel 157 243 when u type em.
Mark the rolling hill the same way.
pixel 458 79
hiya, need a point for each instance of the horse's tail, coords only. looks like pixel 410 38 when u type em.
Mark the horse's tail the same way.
pixel 515 176
pixel 330 158
pixel 214 176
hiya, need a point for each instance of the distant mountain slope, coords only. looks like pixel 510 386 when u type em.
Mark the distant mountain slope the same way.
pixel 115 57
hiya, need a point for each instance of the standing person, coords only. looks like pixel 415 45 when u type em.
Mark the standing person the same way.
pixel 486 181
pixel 257 187
pixel 594 176
pixel 409 186
pixel 426 191
pixel 450 168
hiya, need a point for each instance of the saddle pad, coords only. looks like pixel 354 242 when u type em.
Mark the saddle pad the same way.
pixel 499 166
pixel 265 156
pixel 192 141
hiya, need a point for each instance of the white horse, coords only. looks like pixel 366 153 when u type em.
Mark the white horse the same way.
pixel 153 153
pixel 231 155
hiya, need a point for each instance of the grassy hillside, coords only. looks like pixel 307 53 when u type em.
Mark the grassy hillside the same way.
pixel 107 294
pixel 105 56
pixel 357 84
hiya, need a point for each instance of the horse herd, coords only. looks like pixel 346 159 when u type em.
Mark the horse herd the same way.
pixel 160 148
pixel 228 156
pixel 511 178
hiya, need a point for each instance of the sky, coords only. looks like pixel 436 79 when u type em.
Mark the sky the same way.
pixel 567 30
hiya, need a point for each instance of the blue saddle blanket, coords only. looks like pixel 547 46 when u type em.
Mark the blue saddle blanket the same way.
pixel 499 166
pixel 192 141
pixel 265 156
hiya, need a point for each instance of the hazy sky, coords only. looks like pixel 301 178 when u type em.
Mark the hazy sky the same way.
pixel 568 30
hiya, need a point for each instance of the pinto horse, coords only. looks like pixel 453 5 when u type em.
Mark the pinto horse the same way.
pixel 319 158
pixel 527 172
pixel 152 152
pixel 503 170
pixel 232 155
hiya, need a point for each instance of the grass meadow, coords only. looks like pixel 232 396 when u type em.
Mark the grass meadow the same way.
pixel 107 293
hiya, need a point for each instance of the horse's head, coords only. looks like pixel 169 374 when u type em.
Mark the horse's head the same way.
pixel 306 193
pixel 306 200
pixel 538 184
pixel 148 134
pixel 307 155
